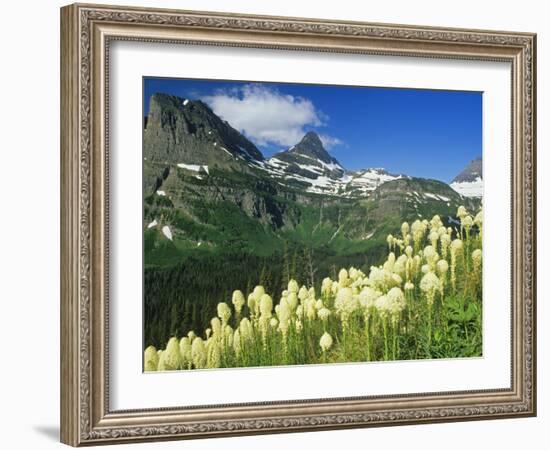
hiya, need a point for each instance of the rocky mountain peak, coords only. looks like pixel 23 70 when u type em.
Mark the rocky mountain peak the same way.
pixel 471 172
pixel 312 146
pixel 180 130
pixel 469 182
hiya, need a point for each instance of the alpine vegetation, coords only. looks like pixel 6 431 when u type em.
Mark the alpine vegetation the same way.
pixel 424 301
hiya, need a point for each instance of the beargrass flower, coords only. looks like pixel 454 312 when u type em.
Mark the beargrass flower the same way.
pixel 323 314
pixel 238 301
pixel 171 357
pixel 293 286
pixel 224 312
pixel 325 342
pixel 198 353
pixel 326 287
pixel 150 359
pixel 461 212
pixel 246 329
pixel 396 302
pixel 430 284
pixel 266 306
pixel 185 350
pixel 216 325
pixel 292 301
pixel 405 229
pixel 456 250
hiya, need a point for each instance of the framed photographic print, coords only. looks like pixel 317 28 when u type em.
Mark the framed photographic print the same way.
pixel 280 224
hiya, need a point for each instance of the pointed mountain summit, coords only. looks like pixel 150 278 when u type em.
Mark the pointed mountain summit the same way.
pixel 308 158
pixel 469 182
pixel 312 146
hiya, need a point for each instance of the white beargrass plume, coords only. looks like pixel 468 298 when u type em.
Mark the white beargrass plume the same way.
pixel 303 294
pixel 284 314
pixel 258 291
pixel 198 353
pixel 396 280
pixel 409 286
pixel 367 299
pixel 292 300
pixel 435 223
pixel 466 223
pixel 390 241
pixel 310 308
pixel 442 269
pixel 418 229
pixel 379 278
pixel 185 351
pixel 213 356
pixel 298 325
pixel 343 278
pixel 273 322
pixel 433 237
pixel 171 357
pixel 325 342
pixel 216 325
pixel 266 306
pixel 431 256
pixel 345 303
pixel 238 301
pixel 409 251
pixel 293 286
pixel 150 359
pixel 461 212
pixel 246 330
pixel 224 312
pixel 430 284
pixel 405 230
pixel 323 314
pixel 208 332
pixel 445 240
pixel 237 344
pixel 319 304
pixel 191 335
pixel 251 303
pixel 456 251
pixel 396 303
pixel 382 306
pixel 326 287
pixel 477 256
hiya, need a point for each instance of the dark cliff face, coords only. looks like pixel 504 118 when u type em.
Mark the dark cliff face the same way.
pixel 184 131
pixel 471 172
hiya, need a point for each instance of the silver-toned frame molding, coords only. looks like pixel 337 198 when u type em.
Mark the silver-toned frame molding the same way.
pixel 86 31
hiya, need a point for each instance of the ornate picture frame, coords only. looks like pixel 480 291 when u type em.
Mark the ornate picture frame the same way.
pixel 87 31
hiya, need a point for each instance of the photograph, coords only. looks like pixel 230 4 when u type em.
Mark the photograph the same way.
pixel 291 224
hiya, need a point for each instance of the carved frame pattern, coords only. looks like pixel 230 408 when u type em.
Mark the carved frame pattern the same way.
pixel 85 416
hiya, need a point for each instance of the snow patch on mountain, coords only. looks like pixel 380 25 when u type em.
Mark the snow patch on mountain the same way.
pixel 469 188
pixel 167 232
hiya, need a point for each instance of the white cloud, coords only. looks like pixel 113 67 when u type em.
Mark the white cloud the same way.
pixel 330 142
pixel 267 116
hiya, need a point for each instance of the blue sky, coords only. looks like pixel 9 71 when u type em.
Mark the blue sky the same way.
pixel 424 133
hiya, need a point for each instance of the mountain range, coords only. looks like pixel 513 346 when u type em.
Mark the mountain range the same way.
pixel 206 184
